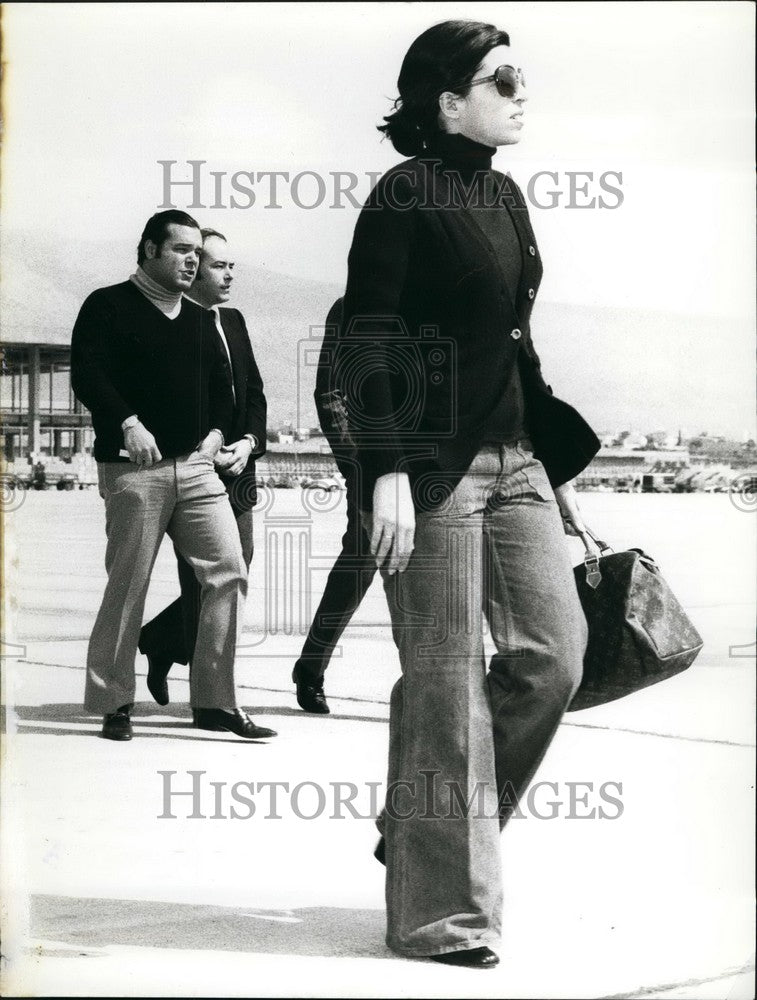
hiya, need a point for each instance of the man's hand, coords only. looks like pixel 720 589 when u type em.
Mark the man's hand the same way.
pixel 393 522
pixel 210 444
pixel 232 458
pixel 141 445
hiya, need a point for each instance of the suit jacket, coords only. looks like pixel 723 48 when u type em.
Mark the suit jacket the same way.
pixel 431 333
pixel 249 415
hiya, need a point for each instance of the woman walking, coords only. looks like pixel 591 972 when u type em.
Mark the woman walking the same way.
pixel 465 457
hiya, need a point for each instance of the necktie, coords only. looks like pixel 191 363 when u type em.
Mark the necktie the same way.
pixel 222 335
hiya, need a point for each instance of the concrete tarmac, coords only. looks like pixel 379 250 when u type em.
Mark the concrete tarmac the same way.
pixel 165 867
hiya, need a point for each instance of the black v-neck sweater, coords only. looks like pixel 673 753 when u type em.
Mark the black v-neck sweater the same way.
pixel 127 357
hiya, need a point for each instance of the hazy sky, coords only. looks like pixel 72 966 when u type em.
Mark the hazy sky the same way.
pixel 97 94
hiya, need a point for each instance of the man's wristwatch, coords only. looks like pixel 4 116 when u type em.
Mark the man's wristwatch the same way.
pixel 129 422
pixel 253 441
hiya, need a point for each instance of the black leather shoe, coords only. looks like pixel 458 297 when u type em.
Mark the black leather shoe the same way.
pixel 117 725
pixel 310 696
pixel 380 851
pixel 475 958
pixel 218 721
pixel 157 678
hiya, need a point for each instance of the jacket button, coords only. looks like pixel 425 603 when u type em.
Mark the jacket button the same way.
pixel 531 293
pixel 516 334
pixel 532 251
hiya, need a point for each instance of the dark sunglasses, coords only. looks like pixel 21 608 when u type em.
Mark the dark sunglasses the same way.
pixel 507 79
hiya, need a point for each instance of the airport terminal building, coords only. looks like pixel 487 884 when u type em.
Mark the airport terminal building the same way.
pixel 45 427
pixel 40 414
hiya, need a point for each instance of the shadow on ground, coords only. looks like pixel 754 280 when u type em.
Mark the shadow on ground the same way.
pixel 98 923
pixel 172 718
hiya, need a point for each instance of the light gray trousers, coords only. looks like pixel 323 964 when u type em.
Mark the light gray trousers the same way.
pixel 465 741
pixel 185 499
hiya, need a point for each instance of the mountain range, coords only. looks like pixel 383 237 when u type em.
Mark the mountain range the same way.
pixel 621 367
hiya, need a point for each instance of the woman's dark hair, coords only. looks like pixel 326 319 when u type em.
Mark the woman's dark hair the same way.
pixel 445 57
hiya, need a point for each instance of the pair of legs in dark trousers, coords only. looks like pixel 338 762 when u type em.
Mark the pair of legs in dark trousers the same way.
pixel 346 586
pixel 171 636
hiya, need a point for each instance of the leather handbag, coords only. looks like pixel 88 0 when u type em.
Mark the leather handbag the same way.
pixel 638 632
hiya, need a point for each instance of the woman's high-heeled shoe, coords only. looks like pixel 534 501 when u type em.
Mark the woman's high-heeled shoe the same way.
pixel 474 958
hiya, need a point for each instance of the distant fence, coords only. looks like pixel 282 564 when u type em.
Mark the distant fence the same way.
pixel 290 467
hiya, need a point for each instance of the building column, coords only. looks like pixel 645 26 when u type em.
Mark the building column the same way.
pixel 34 440
pixel 9 450
pixel 78 434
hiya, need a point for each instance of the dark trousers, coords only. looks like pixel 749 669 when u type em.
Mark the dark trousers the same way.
pixel 171 635
pixel 346 586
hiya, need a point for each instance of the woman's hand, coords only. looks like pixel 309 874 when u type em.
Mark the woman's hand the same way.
pixel 393 522
pixel 567 501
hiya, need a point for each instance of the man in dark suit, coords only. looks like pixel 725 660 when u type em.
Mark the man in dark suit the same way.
pixel 170 637
pixel 352 573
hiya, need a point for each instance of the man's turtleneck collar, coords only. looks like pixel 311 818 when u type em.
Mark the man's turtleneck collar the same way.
pixel 169 303
pixel 458 152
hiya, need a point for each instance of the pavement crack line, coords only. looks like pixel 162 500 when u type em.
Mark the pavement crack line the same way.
pixel 379 701
pixel 645 991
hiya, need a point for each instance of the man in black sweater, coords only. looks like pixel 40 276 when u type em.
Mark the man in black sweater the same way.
pixel 150 367
pixel 171 636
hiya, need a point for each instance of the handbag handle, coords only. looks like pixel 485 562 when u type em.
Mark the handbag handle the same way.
pixel 602 546
pixel 591 559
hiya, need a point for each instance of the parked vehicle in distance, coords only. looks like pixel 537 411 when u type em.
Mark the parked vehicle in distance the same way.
pixel 657 482
pixel 326 483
